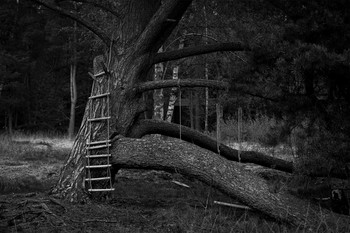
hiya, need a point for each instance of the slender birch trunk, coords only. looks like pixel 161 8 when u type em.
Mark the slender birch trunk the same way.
pixel 158 105
pixel 173 98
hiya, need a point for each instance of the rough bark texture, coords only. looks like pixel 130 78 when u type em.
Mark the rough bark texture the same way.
pixel 140 34
pixel 144 127
pixel 129 65
pixel 229 177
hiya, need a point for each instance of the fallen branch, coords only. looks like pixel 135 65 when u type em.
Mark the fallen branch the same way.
pixel 180 184
pixel 232 205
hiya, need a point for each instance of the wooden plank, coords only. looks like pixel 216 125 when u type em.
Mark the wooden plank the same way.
pixel 98 156
pixel 99 166
pixel 99 96
pixel 99 119
pixel 101 190
pixel 98 142
pixel 99 74
pixel 98 178
pixel 98 147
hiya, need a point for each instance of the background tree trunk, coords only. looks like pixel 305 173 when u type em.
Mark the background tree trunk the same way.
pixel 73 84
pixel 158 97
pixel 172 98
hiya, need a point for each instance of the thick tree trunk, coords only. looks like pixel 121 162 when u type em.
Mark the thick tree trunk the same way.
pixel 124 66
pixel 229 177
pixel 126 71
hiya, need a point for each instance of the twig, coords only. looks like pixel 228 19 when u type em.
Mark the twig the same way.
pixel 232 205
pixel 180 184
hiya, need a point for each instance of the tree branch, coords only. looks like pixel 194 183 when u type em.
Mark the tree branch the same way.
pixel 152 85
pixel 81 21
pixel 161 25
pixel 144 127
pixel 198 50
pixel 229 177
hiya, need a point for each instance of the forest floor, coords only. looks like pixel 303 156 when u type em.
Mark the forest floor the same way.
pixel 144 201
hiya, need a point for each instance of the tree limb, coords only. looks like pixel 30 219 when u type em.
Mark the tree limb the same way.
pixel 198 50
pixel 72 15
pixel 161 25
pixel 229 177
pixel 152 85
pixel 144 127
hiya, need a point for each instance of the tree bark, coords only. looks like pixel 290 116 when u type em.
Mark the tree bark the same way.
pixel 144 127
pixel 229 177
pixel 126 69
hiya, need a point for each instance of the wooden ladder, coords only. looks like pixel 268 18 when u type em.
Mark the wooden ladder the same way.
pixel 95 145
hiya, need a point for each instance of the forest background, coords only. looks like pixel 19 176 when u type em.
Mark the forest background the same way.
pixel 292 83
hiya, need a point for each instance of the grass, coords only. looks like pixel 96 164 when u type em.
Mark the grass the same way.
pixel 144 201
pixel 30 162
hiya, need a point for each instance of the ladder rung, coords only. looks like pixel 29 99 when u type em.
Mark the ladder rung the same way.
pixel 99 178
pixel 98 147
pixel 98 156
pixel 99 74
pixel 99 119
pixel 101 190
pixel 99 96
pixel 99 166
pixel 98 142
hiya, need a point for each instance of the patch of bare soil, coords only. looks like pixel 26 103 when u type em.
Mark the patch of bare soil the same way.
pixel 144 201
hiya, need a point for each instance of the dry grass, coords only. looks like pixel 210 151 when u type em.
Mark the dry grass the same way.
pixel 30 162
pixel 144 201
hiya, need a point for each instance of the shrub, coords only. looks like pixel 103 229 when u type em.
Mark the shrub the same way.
pixel 262 129
pixel 319 148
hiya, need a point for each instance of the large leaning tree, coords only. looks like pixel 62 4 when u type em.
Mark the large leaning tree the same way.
pixel 133 50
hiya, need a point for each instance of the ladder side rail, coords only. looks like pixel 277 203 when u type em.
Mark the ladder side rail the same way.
pixel 108 133
pixel 90 134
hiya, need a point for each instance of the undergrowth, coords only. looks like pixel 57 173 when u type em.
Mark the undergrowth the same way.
pixel 34 147
pixel 149 207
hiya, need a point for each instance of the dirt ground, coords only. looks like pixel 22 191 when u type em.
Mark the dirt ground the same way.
pixel 144 201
